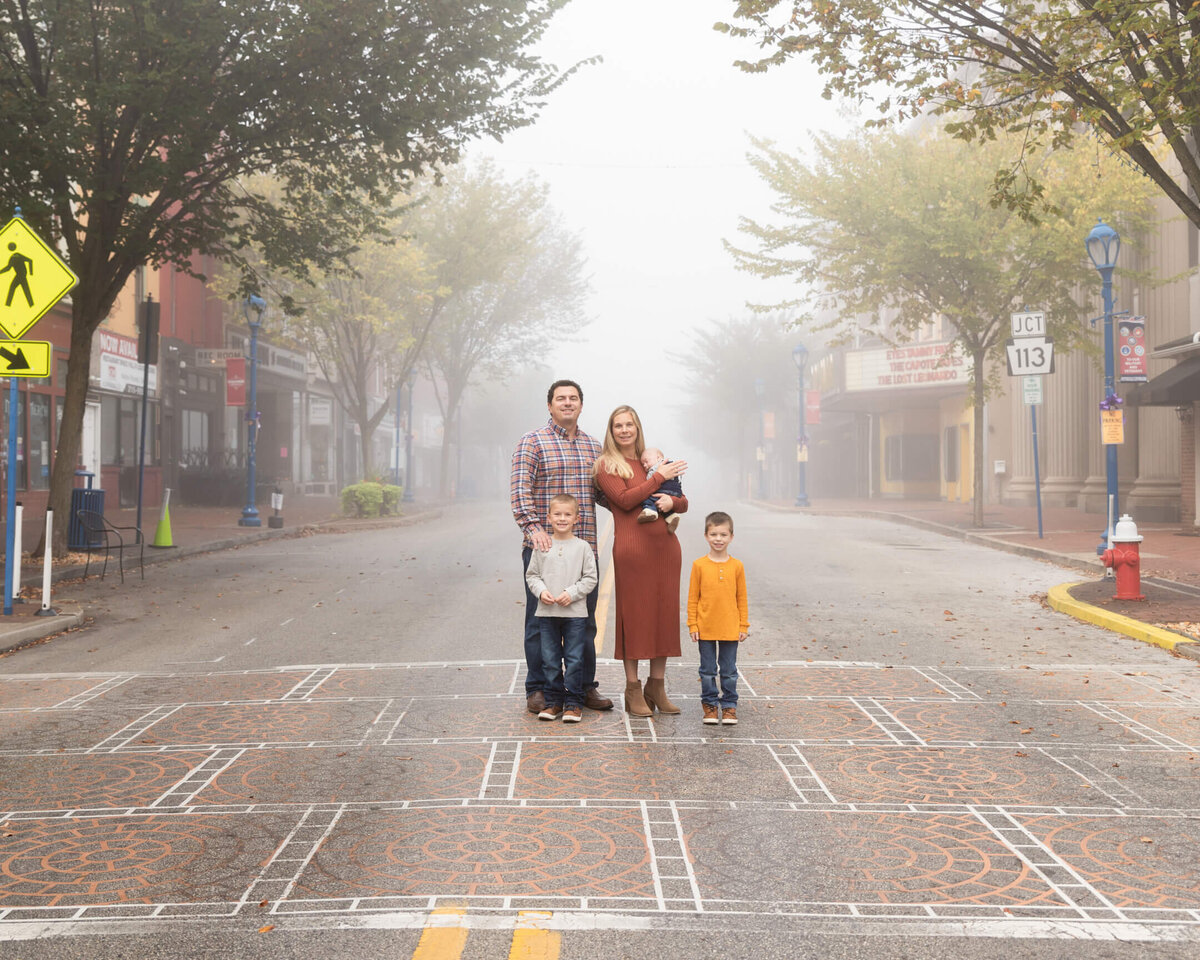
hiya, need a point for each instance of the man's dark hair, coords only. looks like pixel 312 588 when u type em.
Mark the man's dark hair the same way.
pixel 716 519
pixel 563 383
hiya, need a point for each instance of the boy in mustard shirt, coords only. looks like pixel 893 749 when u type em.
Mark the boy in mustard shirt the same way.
pixel 718 618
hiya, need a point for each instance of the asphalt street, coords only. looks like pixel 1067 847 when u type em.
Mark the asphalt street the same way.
pixel 319 744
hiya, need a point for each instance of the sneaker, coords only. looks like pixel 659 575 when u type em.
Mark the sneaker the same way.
pixel 729 716
pixel 552 712
pixel 572 715
pixel 672 521
pixel 710 713
pixel 647 515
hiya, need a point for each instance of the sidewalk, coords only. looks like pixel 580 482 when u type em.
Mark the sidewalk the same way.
pixel 1169 617
pixel 193 530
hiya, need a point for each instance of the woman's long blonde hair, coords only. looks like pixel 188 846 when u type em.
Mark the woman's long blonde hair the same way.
pixel 611 459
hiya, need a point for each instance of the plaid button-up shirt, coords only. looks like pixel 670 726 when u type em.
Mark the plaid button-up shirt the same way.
pixel 548 462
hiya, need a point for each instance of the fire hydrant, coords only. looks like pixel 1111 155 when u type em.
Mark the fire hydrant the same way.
pixel 1124 557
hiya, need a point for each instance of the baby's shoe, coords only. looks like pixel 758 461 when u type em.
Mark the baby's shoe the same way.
pixel 672 521
pixel 647 515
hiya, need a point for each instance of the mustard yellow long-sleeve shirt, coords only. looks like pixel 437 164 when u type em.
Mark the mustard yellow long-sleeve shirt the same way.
pixel 717 606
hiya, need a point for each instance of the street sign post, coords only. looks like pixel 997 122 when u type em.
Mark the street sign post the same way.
pixel 1031 390
pixel 25 358
pixel 1030 355
pixel 32 280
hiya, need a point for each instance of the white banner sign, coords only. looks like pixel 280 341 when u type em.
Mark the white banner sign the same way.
pixel 120 371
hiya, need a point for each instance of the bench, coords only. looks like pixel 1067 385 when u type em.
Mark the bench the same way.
pixel 102 533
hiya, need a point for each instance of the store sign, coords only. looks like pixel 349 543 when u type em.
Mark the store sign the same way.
pixel 320 412
pixel 912 366
pixel 812 406
pixel 1131 350
pixel 120 371
pixel 218 355
pixel 1112 426
pixel 235 382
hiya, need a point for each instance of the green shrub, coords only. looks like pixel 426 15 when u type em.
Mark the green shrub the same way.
pixel 391 499
pixel 362 500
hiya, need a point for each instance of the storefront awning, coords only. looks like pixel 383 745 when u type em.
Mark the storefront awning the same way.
pixel 1179 386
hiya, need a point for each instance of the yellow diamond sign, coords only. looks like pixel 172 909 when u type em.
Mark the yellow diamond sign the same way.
pixel 32 278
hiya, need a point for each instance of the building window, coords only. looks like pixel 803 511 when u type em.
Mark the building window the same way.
pixel 39 441
pixel 194 425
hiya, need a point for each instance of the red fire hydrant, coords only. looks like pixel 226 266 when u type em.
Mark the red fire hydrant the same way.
pixel 1124 557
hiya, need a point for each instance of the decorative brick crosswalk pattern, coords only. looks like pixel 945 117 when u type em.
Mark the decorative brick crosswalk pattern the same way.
pixel 1067 794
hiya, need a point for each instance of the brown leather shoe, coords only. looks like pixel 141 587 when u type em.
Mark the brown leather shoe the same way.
pixel 535 702
pixel 593 701
pixel 710 714
pixel 729 716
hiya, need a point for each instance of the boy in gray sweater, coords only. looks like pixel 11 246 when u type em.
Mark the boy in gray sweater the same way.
pixel 561 578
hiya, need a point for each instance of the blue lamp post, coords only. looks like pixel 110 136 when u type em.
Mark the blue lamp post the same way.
pixel 800 355
pixel 1103 244
pixel 408 439
pixel 253 307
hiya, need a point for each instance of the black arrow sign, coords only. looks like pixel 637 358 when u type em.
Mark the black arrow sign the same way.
pixel 16 361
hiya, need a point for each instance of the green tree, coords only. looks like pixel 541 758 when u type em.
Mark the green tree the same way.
pixel 890 232
pixel 511 281
pixel 367 329
pixel 128 128
pixel 1042 69
pixel 721 367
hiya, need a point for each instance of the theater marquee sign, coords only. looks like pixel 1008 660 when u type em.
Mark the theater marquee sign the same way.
pixel 911 366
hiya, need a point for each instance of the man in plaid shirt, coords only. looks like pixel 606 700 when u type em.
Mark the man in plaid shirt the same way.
pixel 555 459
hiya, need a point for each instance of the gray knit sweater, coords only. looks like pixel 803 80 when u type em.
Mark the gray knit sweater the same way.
pixel 568 565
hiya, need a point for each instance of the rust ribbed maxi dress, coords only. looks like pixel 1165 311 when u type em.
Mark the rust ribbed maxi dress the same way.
pixel 646 565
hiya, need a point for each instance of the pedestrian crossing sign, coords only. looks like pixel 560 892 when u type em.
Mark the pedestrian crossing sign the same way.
pixel 32 278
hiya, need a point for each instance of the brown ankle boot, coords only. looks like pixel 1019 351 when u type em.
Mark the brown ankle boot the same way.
pixel 635 703
pixel 656 696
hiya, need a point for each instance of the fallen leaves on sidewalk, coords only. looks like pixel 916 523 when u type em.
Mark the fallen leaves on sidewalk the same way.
pixel 1189 628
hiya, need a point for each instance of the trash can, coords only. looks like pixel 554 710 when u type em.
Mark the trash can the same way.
pixel 84 498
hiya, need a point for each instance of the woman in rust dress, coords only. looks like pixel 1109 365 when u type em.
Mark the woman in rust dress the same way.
pixel 646 562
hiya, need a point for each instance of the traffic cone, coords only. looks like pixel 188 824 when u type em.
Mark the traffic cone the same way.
pixel 162 536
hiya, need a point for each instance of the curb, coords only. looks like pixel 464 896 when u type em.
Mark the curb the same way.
pixel 39 629
pixel 1061 600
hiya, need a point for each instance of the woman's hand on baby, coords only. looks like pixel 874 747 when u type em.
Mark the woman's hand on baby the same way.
pixel 676 468
pixel 664 502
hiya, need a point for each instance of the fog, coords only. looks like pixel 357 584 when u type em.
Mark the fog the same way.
pixel 644 155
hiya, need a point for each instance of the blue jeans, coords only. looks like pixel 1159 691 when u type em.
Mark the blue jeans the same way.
pixel 718 655
pixel 534 676
pixel 562 659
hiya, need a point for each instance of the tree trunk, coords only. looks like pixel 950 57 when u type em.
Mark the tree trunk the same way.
pixel 977 453
pixel 366 434
pixel 70 431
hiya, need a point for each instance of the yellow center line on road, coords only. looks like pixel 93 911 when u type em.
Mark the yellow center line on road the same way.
pixel 530 941
pixel 444 935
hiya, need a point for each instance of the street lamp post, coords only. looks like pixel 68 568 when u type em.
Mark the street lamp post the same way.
pixel 760 454
pixel 800 355
pixel 253 308
pixel 1103 243
pixel 408 439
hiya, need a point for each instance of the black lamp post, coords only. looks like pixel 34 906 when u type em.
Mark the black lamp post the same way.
pixel 760 454
pixel 1103 244
pixel 254 308
pixel 800 356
